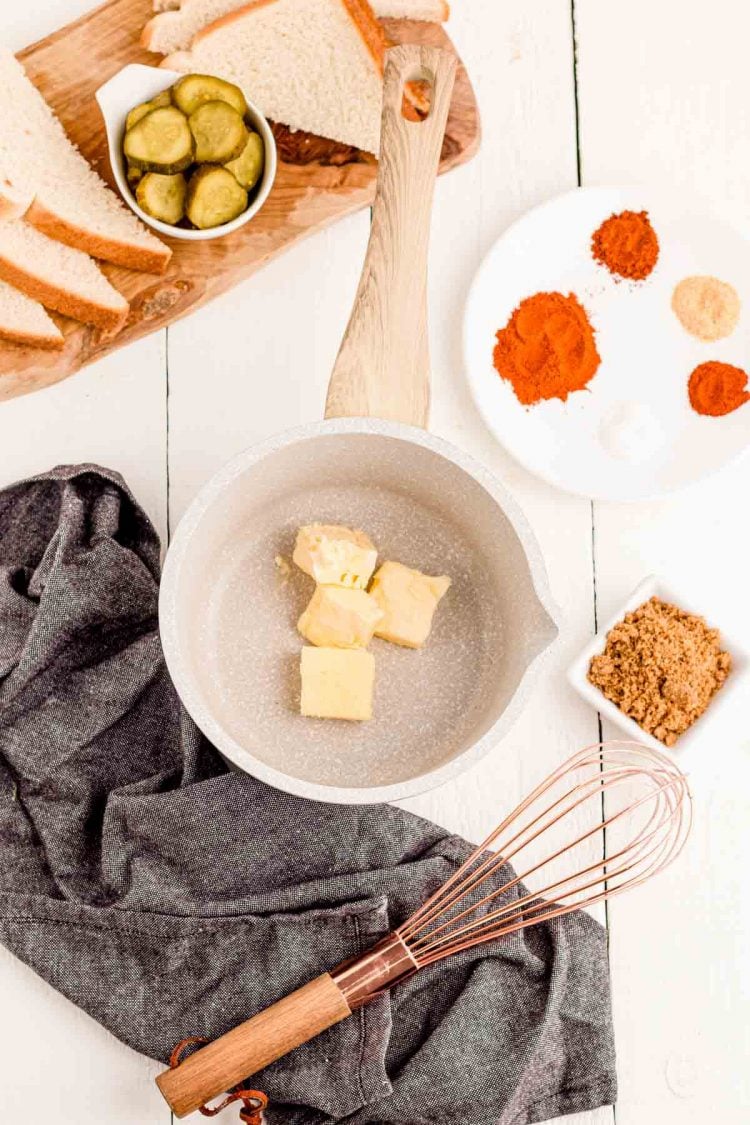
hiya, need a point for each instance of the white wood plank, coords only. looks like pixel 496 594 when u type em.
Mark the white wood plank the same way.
pixel 113 413
pixel 256 361
pixel 33 21
pixel 521 62
pixel 669 105
pixel 60 1066
pixel 520 57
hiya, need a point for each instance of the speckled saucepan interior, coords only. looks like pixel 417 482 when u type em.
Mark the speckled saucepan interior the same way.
pixel 228 612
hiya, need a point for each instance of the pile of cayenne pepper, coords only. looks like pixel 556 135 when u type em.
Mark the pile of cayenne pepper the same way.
pixel 717 388
pixel 627 245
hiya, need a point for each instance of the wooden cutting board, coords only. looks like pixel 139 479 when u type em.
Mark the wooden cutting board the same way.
pixel 317 183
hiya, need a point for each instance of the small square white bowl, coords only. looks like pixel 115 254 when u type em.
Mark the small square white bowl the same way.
pixel 687 749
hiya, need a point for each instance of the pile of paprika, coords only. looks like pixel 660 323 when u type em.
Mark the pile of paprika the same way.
pixel 547 348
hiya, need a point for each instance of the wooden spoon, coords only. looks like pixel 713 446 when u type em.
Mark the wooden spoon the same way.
pixel 383 366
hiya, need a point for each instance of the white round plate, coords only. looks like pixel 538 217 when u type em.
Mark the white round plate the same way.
pixel 647 356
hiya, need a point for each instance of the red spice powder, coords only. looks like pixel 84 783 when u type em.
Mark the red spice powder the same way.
pixel 627 245
pixel 717 388
pixel 547 348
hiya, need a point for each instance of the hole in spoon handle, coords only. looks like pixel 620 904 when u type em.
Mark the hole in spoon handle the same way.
pixel 383 368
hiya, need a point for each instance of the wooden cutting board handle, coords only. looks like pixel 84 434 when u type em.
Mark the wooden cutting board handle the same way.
pixel 383 365
pixel 254 1044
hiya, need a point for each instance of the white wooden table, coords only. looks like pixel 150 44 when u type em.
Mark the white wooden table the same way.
pixel 657 90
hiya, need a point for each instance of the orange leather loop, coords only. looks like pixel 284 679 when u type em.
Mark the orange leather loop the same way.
pixel 253 1101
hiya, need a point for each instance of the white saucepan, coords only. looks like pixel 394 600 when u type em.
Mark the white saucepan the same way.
pixel 229 601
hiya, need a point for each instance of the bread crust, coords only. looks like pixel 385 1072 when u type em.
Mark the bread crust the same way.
pixel 53 297
pixel 108 249
pixel 371 31
pixel 150 29
pixel 46 343
pixel 176 61
pixel 13 203
pixel 445 11
pixel 441 15
pixel 359 11
pixel 225 21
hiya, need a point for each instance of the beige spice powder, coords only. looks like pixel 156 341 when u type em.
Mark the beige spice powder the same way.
pixel 706 307
pixel 661 666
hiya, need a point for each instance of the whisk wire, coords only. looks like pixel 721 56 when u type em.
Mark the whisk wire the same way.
pixel 438 902
pixel 454 918
pixel 508 854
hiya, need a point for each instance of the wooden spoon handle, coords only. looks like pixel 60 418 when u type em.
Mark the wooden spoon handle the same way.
pixel 254 1044
pixel 383 366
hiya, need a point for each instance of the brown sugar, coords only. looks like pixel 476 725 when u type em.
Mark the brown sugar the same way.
pixel 661 666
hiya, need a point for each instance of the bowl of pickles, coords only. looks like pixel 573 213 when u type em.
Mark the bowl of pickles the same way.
pixel 191 155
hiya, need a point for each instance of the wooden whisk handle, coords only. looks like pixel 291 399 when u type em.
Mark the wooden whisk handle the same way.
pixel 383 366
pixel 254 1044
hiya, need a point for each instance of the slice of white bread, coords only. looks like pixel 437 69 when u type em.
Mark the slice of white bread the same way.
pixel 175 28
pixel 62 278
pixel 68 200
pixel 315 65
pixel 24 321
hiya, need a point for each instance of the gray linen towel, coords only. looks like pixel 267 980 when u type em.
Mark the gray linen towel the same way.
pixel 168 897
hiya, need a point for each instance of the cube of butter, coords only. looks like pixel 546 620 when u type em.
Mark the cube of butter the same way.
pixel 337 683
pixel 340 618
pixel 408 599
pixel 335 556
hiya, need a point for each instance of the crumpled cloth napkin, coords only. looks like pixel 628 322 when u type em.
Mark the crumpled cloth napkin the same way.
pixel 167 897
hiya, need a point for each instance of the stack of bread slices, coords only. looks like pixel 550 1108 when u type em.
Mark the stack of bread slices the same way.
pixel 313 65
pixel 56 216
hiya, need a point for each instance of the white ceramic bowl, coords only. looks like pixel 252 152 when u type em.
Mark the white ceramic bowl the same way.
pixel 136 83
pixel 699 739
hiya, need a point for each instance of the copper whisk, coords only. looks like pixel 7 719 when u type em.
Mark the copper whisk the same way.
pixel 649 783
pixel 637 795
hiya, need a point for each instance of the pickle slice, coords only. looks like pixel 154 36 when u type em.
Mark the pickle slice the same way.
pixel 160 142
pixel 248 166
pixel 136 113
pixel 194 89
pixel 219 132
pixel 162 197
pixel 139 111
pixel 213 197
pixel 133 175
